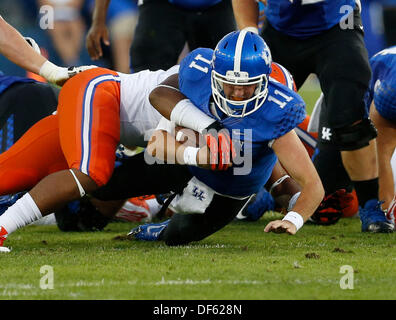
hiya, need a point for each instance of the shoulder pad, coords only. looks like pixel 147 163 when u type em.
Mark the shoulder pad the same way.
pixel 283 109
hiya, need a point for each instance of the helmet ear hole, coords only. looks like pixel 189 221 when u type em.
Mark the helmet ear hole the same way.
pixel 241 58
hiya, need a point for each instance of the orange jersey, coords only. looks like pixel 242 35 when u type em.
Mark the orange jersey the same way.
pixel 282 75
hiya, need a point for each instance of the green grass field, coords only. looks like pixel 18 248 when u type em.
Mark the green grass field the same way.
pixel 240 262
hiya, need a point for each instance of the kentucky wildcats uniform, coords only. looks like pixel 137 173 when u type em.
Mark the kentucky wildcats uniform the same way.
pixel 281 112
pixel 382 88
pixel 315 16
pixel 325 37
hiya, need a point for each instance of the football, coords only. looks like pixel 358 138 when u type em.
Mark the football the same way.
pixel 189 137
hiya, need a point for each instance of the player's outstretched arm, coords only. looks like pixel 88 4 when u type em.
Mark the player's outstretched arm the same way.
pixel 386 143
pixel 98 30
pixel 295 159
pixel 16 49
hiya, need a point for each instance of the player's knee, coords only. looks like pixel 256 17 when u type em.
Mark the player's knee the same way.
pixel 352 137
pixel 99 178
pixel 183 229
pixel 85 184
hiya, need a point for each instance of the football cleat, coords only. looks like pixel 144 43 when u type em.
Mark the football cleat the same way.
pixel 139 209
pixel 349 204
pixel 257 206
pixel 148 232
pixel 330 209
pixel 8 200
pixel 373 218
pixel 3 237
pixel 391 212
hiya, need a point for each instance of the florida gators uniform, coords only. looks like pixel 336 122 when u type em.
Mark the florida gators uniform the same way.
pixel 97 110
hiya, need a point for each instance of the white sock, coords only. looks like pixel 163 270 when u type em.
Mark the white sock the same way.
pixel 20 214
pixel 154 206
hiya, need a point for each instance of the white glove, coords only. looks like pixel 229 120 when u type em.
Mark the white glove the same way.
pixel 59 75
pixel 33 44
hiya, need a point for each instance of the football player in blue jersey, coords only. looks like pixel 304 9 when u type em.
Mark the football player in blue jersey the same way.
pixel 163 28
pixel 381 101
pixel 229 89
pixel 325 37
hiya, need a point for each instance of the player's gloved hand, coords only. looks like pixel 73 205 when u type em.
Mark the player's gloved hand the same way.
pixel 59 75
pixel 220 145
pixel 33 44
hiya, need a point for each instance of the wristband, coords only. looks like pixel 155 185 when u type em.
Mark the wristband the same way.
pixel 186 114
pixel 294 218
pixel 251 29
pixel 190 156
pixel 52 72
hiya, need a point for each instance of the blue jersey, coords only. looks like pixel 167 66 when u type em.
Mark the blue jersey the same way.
pixel 306 18
pixel 382 87
pixel 7 81
pixel 115 9
pixel 282 111
pixel 194 4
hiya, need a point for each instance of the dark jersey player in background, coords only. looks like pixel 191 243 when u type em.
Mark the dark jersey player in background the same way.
pixel 23 102
pixel 325 37
pixel 165 26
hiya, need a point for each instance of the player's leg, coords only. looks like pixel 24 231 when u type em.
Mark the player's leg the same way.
pixel 344 73
pixel 159 36
pixel 34 156
pixel 184 228
pixel 88 114
pixel 288 52
pixel 206 28
pixel 340 195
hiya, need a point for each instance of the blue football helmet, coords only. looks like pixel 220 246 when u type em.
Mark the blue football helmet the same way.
pixel 241 58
